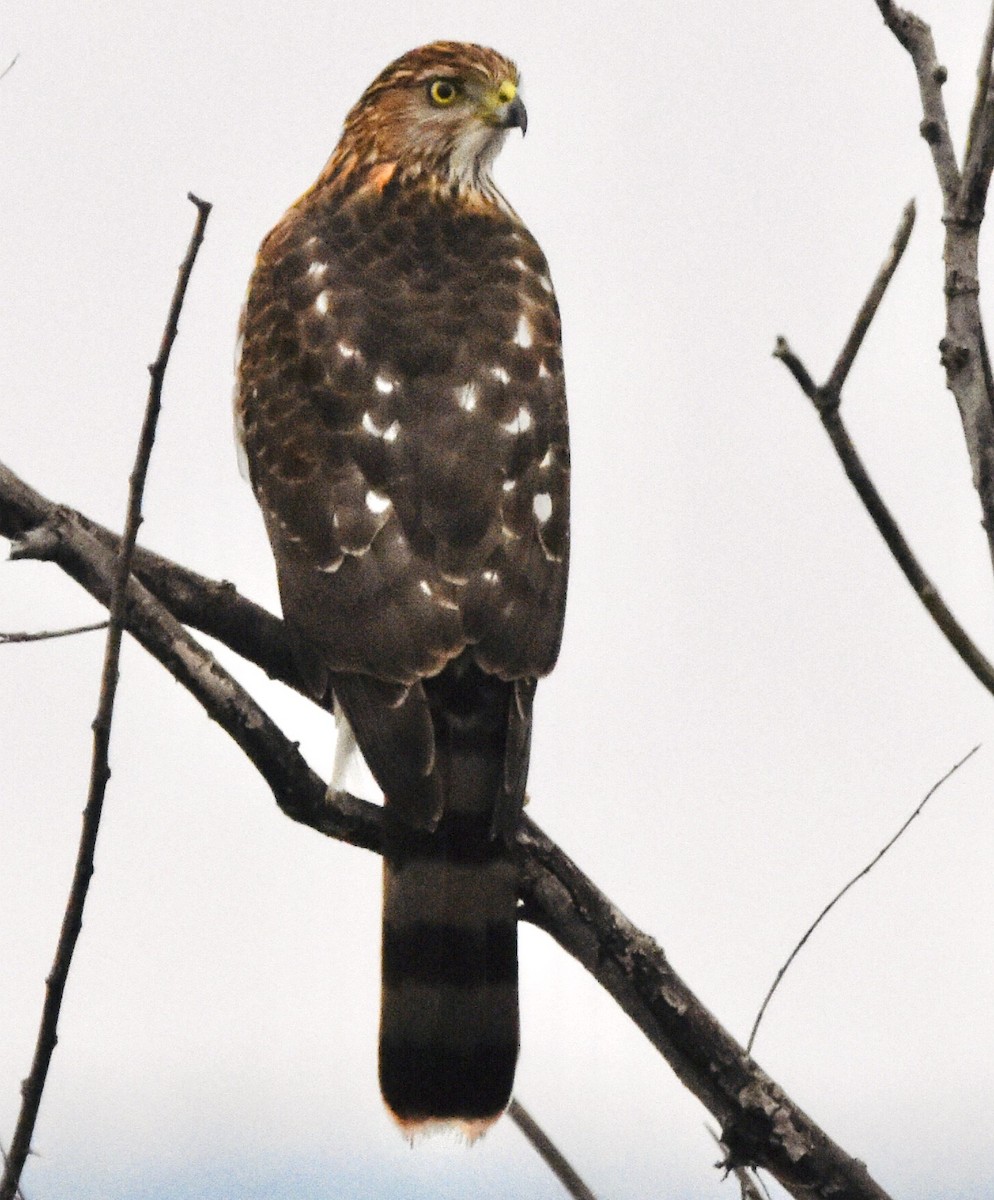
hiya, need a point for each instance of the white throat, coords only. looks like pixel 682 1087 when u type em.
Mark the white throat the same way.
pixel 472 159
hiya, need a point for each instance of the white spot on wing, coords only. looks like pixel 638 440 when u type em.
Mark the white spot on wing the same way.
pixel 509 485
pixel 521 423
pixel 329 568
pixel 500 375
pixel 323 302
pixel 546 459
pixel 383 385
pixel 376 502
pixel 546 282
pixel 346 351
pixel 467 395
pixel 490 577
pixel 425 586
pixel 523 334
pixel 520 263
pixel 389 434
pixel 542 507
pixel 543 370
pixel 317 269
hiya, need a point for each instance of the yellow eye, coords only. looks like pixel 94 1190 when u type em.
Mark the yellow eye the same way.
pixel 506 92
pixel 443 92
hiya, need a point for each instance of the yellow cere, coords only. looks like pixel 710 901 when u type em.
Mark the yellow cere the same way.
pixel 506 92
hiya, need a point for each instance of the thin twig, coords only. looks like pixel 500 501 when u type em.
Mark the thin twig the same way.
pixel 786 355
pixel 978 158
pixel 827 400
pixel 870 305
pixel 10 66
pixel 549 1152
pixel 34 1086
pixel 855 879
pixel 7 639
pixel 983 86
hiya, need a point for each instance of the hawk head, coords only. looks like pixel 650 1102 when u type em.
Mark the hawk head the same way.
pixel 443 110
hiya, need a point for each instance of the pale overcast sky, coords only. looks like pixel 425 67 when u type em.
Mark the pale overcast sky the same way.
pixel 749 701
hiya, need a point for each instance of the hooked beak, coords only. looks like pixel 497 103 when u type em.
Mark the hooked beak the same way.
pixel 515 116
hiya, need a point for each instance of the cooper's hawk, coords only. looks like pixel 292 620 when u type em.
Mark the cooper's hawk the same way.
pixel 402 407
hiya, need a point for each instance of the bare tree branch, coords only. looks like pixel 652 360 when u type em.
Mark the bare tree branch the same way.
pixel 890 531
pixel 19 1194
pixel 978 158
pixel 838 896
pixel 963 348
pixel 761 1124
pixel 551 1155
pixel 827 400
pixel 10 66
pixel 864 318
pixel 9 639
pixel 981 99
pixel 72 923
pixel 916 37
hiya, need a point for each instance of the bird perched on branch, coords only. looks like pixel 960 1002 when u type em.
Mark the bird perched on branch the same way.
pixel 402 409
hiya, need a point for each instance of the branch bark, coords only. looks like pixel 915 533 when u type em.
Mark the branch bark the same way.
pixel 760 1124
pixel 963 348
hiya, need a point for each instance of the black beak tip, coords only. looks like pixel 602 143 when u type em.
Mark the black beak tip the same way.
pixel 517 116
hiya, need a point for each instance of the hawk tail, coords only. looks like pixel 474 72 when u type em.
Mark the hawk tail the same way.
pixel 449 1016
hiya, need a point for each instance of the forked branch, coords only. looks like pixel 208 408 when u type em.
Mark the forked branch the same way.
pixel 827 400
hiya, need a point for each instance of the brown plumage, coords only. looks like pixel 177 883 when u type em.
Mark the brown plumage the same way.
pixel 402 408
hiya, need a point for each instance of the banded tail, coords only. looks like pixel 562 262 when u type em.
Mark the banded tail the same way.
pixel 449 1015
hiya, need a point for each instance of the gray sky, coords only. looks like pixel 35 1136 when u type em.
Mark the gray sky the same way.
pixel 749 701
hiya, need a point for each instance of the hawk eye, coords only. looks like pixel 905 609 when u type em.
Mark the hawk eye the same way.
pixel 443 92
